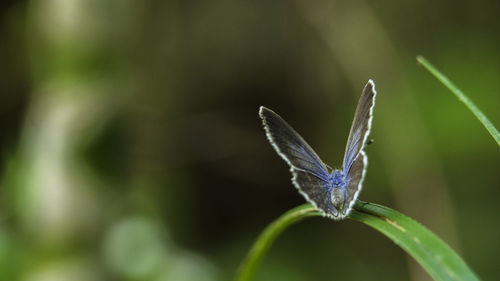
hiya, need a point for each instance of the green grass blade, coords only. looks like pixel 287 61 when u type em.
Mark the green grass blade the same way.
pixel 435 256
pixel 462 97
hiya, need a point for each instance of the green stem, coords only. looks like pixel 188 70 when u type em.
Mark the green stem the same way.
pixel 434 255
pixel 251 263
pixel 462 97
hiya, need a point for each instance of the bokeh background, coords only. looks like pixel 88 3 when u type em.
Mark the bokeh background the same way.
pixel 131 149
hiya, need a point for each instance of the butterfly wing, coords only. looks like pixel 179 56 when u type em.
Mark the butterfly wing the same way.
pixel 310 174
pixel 361 125
pixel 356 175
pixel 355 160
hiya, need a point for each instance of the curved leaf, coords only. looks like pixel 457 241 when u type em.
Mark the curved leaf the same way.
pixel 434 255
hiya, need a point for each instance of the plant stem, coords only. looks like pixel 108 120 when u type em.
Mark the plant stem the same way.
pixel 249 266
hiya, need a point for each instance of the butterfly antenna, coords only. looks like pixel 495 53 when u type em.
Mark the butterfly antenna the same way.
pixel 331 169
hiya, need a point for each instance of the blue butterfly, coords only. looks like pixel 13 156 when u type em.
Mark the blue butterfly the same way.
pixel 332 193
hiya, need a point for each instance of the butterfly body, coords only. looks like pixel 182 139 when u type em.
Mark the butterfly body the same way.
pixel 338 193
pixel 332 193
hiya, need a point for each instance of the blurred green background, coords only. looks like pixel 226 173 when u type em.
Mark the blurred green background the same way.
pixel 131 148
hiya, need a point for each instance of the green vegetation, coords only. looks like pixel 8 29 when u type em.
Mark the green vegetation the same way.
pixel 434 255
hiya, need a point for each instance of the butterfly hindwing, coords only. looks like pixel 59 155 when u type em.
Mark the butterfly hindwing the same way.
pixel 315 191
pixel 356 174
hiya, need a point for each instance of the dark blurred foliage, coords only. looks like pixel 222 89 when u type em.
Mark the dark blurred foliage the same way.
pixel 131 147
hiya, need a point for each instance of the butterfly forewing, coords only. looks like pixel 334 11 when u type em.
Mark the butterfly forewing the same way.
pixel 361 125
pixel 291 146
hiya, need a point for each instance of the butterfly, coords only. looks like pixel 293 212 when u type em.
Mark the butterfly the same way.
pixel 332 191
